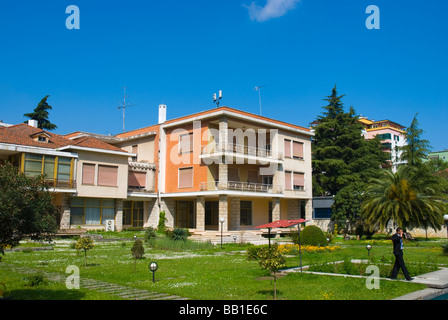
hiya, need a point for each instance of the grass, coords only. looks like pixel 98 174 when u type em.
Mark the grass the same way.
pixel 205 272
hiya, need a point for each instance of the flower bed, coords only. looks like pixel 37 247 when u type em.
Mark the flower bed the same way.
pixel 294 248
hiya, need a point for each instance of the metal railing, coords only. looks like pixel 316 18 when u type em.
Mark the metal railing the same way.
pixel 240 149
pixel 134 189
pixel 240 186
pixel 60 183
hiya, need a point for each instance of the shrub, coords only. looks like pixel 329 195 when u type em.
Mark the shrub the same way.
pixel 178 234
pixel 162 219
pixel 34 280
pixel 137 249
pixel 150 234
pixel 255 252
pixel 445 249
pixel 311 235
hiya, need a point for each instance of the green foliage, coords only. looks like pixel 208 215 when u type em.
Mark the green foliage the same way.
pixel 271 260
pixel 150 234
pixel 445 249
pixel 137 249
pixel 178 234
pixel 416 149
pixel 25 208
pixel 255 252
pixel 41 115
pixel 312 235
pixel 34 280
pixel 162 219
pixel 84 243
pixel 410 197
pixel 343 160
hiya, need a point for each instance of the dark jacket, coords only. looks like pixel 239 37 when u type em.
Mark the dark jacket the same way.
pixel 397 241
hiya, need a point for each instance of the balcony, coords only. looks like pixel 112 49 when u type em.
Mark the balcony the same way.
pixel 240 186
pixel 60 183
pixel 241 151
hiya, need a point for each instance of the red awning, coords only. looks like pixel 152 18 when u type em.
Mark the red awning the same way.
pixel 281 224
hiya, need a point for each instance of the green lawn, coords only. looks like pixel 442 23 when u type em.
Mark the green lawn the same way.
pixel 208 273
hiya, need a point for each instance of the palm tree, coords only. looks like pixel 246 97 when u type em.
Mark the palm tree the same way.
pixel 410 197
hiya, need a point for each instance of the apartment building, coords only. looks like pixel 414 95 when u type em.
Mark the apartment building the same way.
pixel 391 134
pixel 221 169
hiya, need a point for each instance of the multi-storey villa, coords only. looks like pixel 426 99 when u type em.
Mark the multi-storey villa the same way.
pixel 221 169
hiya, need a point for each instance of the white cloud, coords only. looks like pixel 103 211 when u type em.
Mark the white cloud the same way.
pixel 272 9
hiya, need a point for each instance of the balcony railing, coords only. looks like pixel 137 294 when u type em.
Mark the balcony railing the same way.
pixel 140 190
pixel 60 183
pixel 241 150
pixel 240 186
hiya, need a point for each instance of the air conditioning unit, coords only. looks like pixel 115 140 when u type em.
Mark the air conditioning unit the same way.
pixel 110 225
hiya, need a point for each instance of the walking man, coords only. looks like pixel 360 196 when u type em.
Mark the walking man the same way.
pixel 397 241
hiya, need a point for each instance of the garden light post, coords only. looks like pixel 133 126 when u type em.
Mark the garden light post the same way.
pixel 300 248
pixel 368 247
pixel 445 217
pixel 222 222
pixel 153 268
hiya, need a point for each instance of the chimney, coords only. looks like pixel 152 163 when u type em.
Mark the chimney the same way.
pixel 32 123
pixel 162 113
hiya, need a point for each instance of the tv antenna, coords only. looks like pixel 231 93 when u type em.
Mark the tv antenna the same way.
pixel 124 106
pixel 217 99
pixel 259 95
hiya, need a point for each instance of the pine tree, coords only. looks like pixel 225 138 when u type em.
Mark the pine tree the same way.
pixel 343 160
pixel 416 149
pixel 41 115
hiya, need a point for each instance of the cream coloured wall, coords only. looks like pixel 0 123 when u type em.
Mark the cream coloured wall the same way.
pixel 118 192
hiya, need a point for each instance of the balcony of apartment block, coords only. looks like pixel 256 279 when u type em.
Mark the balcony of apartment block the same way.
pixel 141 178
pixel 59 184
pixel 241 152
pixel 241 186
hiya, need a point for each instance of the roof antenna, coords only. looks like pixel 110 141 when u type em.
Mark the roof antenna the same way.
pixel 124 106
pixel 217 99
pixel 259 95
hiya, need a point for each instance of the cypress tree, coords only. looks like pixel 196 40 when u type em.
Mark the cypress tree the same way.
pixel 343 160
pixel 41 115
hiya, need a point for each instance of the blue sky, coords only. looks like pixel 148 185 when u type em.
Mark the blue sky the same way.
pixel 178 53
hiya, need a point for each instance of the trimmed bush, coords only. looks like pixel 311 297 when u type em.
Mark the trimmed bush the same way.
pixel 137 249
pixel 311 235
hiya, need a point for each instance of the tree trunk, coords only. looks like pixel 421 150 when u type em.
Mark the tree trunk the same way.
pixel 275 286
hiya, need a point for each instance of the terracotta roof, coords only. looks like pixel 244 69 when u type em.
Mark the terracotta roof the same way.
pixel 241 113
pixel 22 134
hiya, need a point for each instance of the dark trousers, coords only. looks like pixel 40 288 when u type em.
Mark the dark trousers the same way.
pixel 399 263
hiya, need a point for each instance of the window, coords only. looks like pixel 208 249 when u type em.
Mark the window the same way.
pixel 107 176
pixel 185 217
pixel 135 150
pixel 294 180
pixel 137 179
pixel 186 177
pixel 246 213
pixel 298 181
pixel 91 211
pixel 288 185
pixel 268 180
pixel 297 150
pixel 322 213
pixel 287 148
pixel 88 173
pixel 51 167
pixel 293 149
pixel 186 143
